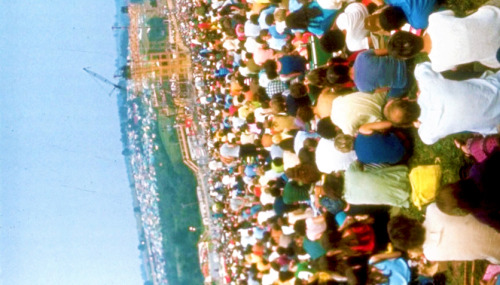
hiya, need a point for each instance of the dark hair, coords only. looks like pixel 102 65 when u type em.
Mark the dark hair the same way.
pixel 263 33
pixel 278 161
pixel 337 74
pixel 458 198
pixel 254 19
pixel 285 275
pixel 305 173
pixel 392 18
pixel 404 45
pixel 250 119
pixel 306 156
pixel 300 227
pixel 406 233
pixel 408 112
pixel 300 18
pixel 269 19
pixel 278 103
pixel 305 113
pixel 298 90
pixel 270 68
pixel 240 98
pixel 334 186
pixel 310 143
pixel 326 129
pixel 317 76
pixel 275 191
pixel 332 41
pixel 286 144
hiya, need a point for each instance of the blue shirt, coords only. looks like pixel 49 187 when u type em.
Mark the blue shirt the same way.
pixel 313 248
pixel 263 15
pixel 379 148
pixel 372 71
pixel 291 64
pixel 417 11
pixel 396 270
pixel 320 24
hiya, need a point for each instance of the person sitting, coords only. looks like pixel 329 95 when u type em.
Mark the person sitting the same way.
pixel 372 185
pixel 354 110
pixel 375 71
pixel 442 237
pixel 441 101
pixel 451 41
pixel 477 194
pixel 373 147
pixel 328 158
pixel 297 98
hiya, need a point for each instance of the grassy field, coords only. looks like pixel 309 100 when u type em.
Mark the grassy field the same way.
pixel 451 161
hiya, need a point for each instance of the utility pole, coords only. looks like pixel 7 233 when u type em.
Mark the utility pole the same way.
pixel 103 79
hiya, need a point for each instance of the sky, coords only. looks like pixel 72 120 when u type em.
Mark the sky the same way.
pixel 66 214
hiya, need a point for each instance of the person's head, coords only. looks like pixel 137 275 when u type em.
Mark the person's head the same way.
pixel 298 90
pixel 337 74
pixel 404 45
pixel 305 113
pixel 254 19
pixel 334 185
pixel 305 173
pixel 250 119
pixel 406 233
pixel 286 144
pixel 310 144
pixel 344 143
pixel 269 19
pixel 392 18
pixel 280 15
pixel 300 19
pixel 300 227
pixel 402 112
pixel 317 76
pixel 332 41
pixel 457 199
pixel 387 19
pixel 306 156
pixel 326 129
pixel 270 67
pixel 278 103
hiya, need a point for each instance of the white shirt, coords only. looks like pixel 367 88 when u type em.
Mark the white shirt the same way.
pixel 230 151
pixel 458 238
pixel 353 22
pixel 449 106
pixel 329 159
pixel 462 40
pixel 251 29
pixel 251 45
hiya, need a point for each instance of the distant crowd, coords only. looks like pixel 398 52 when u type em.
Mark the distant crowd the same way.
pixel 311 108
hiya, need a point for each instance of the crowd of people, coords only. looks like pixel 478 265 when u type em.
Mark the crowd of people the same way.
pixel 140 153
pixel 307 161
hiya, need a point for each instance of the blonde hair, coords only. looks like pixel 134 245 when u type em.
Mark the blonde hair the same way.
pixel 279 15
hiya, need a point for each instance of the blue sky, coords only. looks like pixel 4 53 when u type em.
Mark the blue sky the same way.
pixel 65 205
